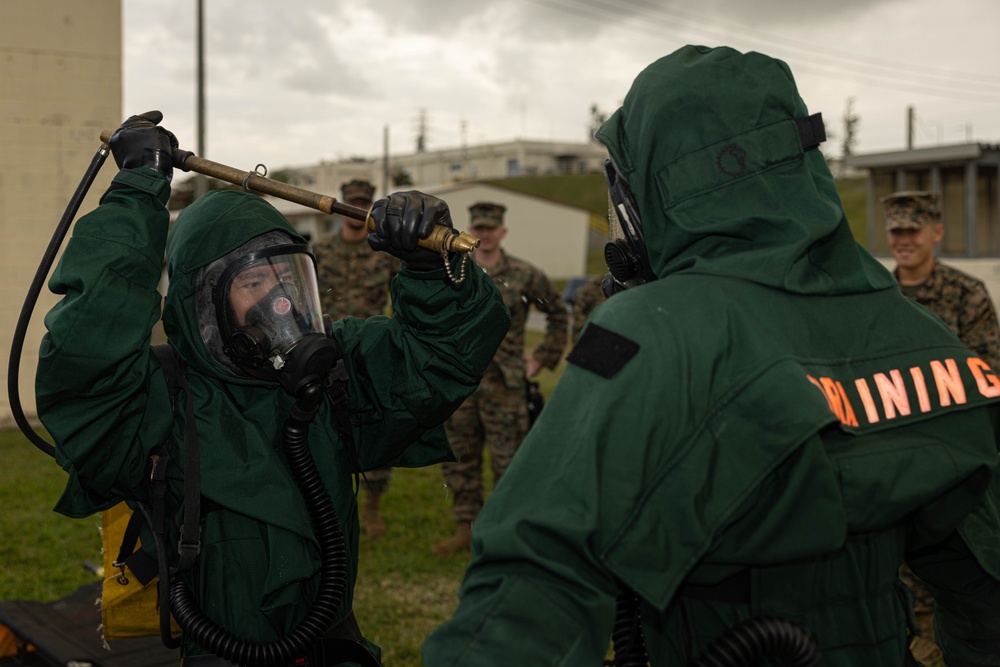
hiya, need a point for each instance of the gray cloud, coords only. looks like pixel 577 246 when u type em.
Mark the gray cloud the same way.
pixel 252 43
pixel 319 79
pixel 773 14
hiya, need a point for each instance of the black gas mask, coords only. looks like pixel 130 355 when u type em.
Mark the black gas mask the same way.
pixel 625 252
pixel 270 319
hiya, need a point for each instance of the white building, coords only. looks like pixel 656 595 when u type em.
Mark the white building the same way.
pixel 968 178
pixel 550 235
pixel 470 163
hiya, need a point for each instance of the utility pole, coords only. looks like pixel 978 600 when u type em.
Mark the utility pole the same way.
pixel 200 180
pixel 385 161
pixel 422 131
pixel 909 127
pixel 851 121
pixel 463 130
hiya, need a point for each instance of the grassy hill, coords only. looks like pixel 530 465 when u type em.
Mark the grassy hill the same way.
pixel 854 195
pixel 590 192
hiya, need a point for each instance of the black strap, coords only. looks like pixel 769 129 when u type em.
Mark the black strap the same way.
pixel 812 132
pixel 163 583
pixel 336 391
pixel 734 589
pixel 142 566
pixel 189 544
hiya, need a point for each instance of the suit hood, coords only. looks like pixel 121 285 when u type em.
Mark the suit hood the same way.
pixel 208 230
pixel 708 141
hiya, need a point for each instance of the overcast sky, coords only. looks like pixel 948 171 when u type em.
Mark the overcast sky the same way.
pixel 300 81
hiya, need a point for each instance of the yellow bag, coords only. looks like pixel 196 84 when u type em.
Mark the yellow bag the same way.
pixel 128 609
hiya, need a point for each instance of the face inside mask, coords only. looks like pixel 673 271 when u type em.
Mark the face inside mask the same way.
pixel 266 303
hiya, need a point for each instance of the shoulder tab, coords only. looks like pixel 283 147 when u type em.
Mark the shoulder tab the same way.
pixel 602 351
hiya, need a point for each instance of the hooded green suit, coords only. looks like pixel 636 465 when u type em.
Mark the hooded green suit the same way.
pixel 769 427
pixel 102 395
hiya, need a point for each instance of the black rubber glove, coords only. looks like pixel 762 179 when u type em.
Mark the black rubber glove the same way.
pixel 140 142
pixel 402 219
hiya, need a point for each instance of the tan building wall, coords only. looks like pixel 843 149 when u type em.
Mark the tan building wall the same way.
pixel 60 85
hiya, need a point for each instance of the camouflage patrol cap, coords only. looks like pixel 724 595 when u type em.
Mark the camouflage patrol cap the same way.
pixel 910 209
pixel 486 214
pixel 358 189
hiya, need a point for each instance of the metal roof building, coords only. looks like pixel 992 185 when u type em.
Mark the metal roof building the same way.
pixel 966 175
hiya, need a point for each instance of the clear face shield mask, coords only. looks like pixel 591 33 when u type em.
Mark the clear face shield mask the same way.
pixel 625 252
pixel 268 308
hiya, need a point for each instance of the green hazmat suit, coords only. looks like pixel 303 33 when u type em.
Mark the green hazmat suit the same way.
pixel 768 428
pixel 102 396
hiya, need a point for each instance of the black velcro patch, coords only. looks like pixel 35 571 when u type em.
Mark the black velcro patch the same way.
pixel 602 351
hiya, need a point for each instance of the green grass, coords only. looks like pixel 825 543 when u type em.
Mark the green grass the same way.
pixel 41 553
pixel 854 197
pixel 404 592
pixel 588 191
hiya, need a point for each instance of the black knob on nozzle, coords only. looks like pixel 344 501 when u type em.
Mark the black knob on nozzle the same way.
pixel 179 159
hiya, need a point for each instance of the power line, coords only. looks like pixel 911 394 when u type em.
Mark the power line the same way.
pixel 826 68
pixel 946 74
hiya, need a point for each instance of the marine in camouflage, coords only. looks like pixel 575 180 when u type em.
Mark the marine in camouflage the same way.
pixel 353 278
pixel 354 282
pixel 496 416
pixel 585 299
pixel 963 303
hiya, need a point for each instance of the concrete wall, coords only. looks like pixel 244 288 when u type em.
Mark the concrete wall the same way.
pixel 60 85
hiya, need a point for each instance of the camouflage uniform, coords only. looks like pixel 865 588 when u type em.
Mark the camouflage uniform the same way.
pixel 965 306
pixel 585 299
pixel 354 282
pixel 496 414
pixel 962 303
pixel 353 279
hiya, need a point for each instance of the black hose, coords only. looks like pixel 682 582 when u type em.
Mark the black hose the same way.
pixel 333 572
pixel 747 643
pixel 21 329
pixel 626 635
